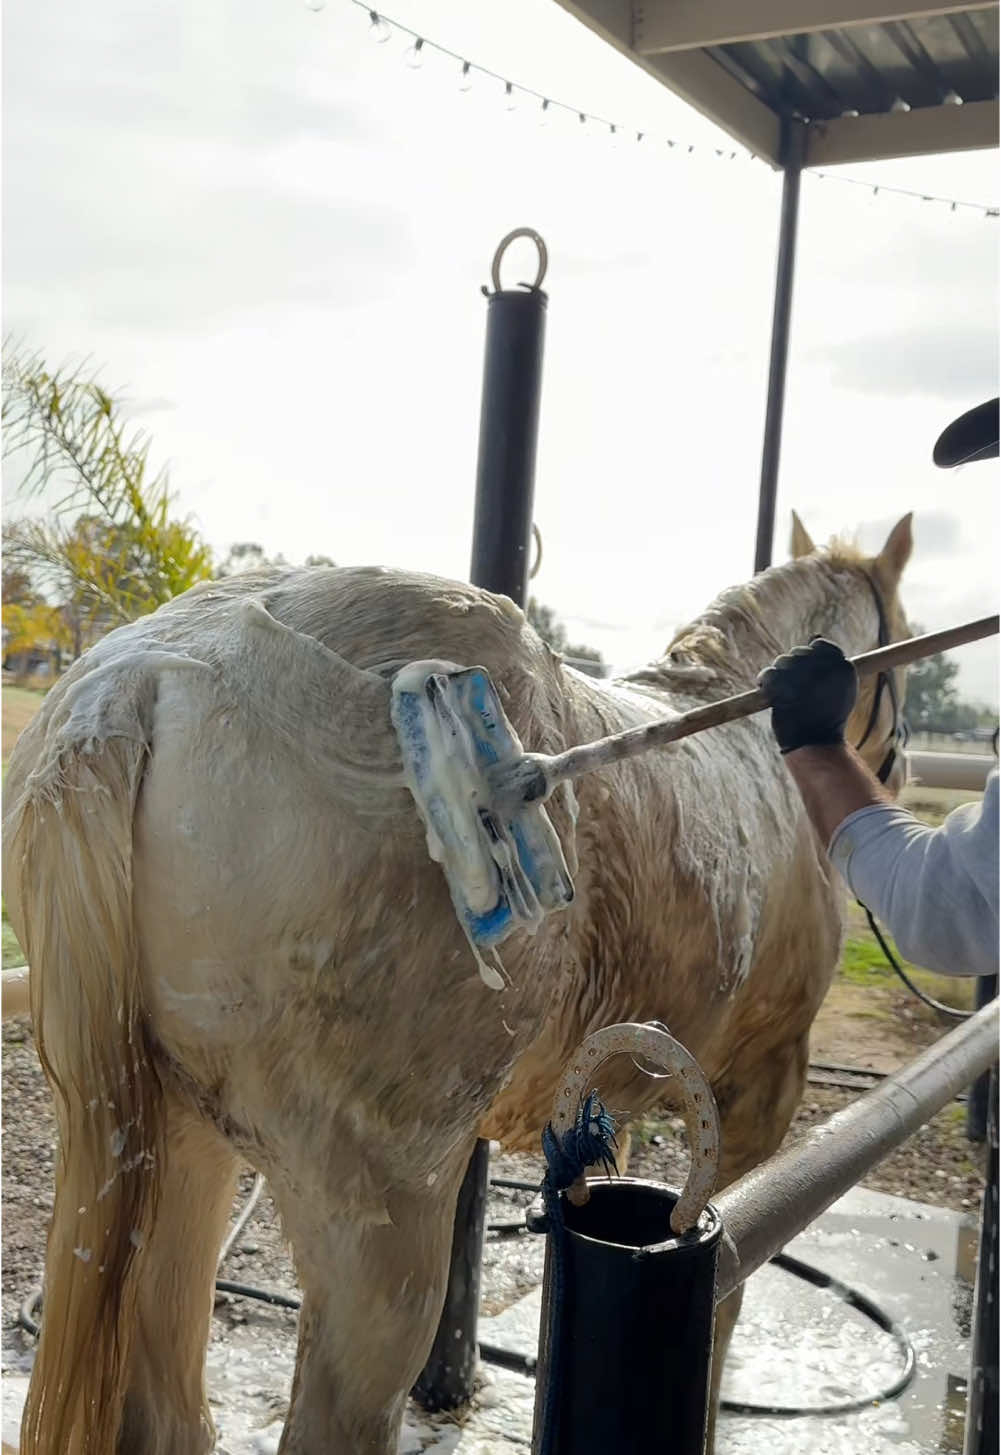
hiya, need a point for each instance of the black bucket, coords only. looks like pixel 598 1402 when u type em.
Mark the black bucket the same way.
pixel 628 1369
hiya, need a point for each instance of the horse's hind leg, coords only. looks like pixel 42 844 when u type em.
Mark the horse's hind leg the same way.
pixel 372 1296
pixel 165 1408
pixel 757 1103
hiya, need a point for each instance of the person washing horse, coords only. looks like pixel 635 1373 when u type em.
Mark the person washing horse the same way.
pixel 936 889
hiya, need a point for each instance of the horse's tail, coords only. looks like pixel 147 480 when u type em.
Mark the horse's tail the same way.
pixel 69 847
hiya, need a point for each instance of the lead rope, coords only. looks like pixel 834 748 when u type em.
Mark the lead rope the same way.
pixel 949 1010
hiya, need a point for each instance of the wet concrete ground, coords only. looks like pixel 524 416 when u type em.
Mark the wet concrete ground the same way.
pixel 795 1344
pixel 799 1345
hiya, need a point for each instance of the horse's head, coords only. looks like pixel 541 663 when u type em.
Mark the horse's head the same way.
pixel 876 726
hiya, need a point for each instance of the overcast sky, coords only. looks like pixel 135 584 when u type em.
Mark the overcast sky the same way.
pixel 272 232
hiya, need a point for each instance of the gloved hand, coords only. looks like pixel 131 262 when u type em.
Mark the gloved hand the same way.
pixel 812 691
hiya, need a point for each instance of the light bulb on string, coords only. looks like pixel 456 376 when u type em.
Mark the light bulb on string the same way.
pixel 510 99
pixel 378 30
pixel 414 57
pixel 545 116
pixel 466 77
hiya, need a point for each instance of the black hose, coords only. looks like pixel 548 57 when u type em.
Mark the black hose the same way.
pixel 949 1010
pixel 527 1364
pixel 854 1298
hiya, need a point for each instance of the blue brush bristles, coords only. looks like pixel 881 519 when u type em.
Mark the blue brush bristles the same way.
pixel 590 1142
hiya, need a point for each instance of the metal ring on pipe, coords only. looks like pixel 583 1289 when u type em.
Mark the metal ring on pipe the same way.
pixel 701 1118
pixel 502 248
pixel 537 564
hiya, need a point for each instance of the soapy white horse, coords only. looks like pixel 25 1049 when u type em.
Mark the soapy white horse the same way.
pixel 241 949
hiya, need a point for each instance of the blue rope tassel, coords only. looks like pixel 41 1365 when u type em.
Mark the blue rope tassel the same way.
pixel 590 1142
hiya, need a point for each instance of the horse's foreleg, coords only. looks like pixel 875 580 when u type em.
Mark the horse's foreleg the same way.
pixel 16 997
pixel 165 1408
pixel 372 1296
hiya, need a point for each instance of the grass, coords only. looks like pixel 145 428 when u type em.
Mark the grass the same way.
pixel 863 963
pixel 12 952
pixel 19 706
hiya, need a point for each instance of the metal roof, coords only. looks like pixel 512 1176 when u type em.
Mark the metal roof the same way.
pixel 866 80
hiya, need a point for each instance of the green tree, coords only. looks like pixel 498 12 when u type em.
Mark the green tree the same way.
pixel 932 703
pixel 553 632
pixel 250 556
pixel 931 698
pixel 110 549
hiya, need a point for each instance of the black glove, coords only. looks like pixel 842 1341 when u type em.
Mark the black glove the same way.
pixel 812 691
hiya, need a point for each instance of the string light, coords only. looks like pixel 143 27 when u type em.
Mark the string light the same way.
pixel 382 28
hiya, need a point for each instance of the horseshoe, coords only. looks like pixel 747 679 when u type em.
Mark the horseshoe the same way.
pixel 654 1044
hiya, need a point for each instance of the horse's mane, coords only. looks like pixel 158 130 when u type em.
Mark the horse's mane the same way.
pixel 747 626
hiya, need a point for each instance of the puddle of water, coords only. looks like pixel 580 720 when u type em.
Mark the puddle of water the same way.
pixel 795 1343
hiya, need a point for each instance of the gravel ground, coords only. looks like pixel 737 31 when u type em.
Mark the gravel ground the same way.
pixel 938 1165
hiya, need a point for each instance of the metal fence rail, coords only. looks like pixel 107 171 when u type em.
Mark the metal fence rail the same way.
pixel 949 770
pixel 780 1198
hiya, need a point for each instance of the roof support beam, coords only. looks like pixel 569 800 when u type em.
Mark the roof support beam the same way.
pixel 696 78
pixel 664 26
pixel 704 84
pixel 902 134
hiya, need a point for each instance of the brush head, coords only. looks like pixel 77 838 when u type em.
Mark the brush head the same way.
pixel 501 855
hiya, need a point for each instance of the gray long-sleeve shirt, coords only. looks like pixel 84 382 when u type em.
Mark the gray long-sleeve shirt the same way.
pixel 936 890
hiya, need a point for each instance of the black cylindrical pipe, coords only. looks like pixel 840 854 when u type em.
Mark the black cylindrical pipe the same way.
pixel 793 142
pixel 502 530
pixel 446 1381
pixel 982 1399
pixel 985 989
pixel 509 430
pixel 629 1366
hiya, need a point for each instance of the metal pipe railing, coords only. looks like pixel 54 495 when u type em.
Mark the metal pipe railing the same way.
pixel 949 770
pixel 780 1198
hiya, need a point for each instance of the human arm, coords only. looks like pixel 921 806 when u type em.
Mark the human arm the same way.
pixel 935 889
pixel 833 782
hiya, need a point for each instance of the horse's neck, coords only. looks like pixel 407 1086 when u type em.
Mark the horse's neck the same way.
pixel 747 626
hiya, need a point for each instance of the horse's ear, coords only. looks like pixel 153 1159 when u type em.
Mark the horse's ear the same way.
pixel 897 549
pixel 800 543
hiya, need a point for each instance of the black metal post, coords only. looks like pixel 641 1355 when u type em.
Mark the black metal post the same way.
pixel 976 1107
pixel 793 143
pixel 502 530
pixel 982 1397
pixel 628 1368
pixel 509 428
pixel 446 1381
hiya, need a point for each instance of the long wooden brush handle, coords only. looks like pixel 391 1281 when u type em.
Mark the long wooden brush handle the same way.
pixel 575 762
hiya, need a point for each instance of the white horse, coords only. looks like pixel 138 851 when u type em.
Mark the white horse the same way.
pixel 240 948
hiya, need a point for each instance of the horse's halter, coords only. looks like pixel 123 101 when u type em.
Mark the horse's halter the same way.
pixel 885 680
